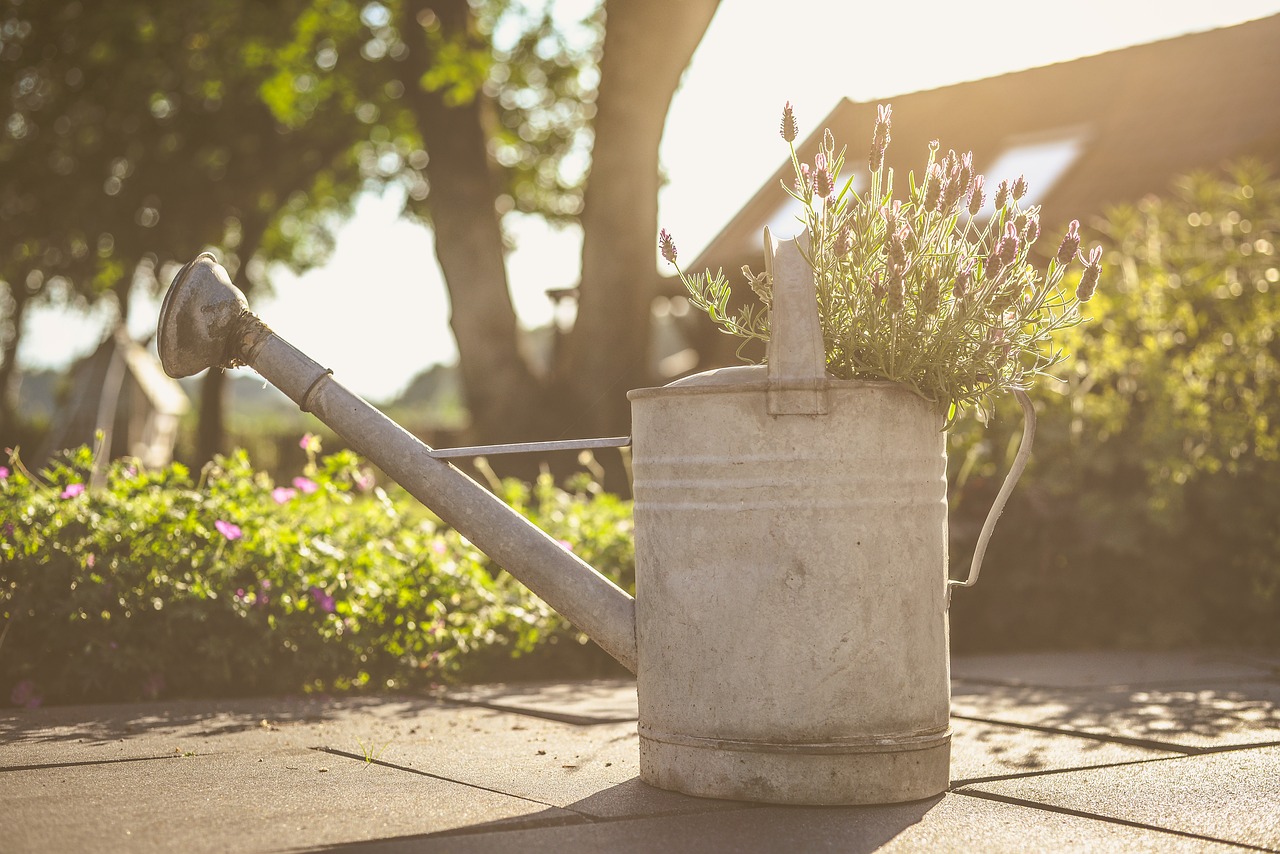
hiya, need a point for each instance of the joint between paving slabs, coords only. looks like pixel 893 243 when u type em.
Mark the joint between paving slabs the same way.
pixel 1147 743
pixel 86 762
pixel 1020 802
pixel 558 717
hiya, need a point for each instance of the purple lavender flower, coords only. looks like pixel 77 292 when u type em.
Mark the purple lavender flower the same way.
pixel 667 246
pixel 1020 188
pixel 790 130
pixel 1002 195
pixel 977 194
pixel 1070 243
pixel 880 136
pixel 933 181
pixel 823 185
pixel 1089 279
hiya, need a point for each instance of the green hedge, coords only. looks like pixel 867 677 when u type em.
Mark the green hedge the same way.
pixel 1150 515
pixel 152 585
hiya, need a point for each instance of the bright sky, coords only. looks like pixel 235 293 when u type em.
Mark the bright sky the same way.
pixel 377 312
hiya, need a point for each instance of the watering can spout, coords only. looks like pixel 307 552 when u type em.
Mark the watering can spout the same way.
pixel 205 322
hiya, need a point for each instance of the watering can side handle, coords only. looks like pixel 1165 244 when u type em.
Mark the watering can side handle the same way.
pixel 1010 480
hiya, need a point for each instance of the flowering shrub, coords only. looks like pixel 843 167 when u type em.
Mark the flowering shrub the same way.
pixel 935 290
pixel 152 585
pixel 1148 512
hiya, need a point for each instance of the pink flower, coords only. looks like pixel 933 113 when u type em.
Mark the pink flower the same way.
pixel 4 473
pixel 306 484
pixel 26 694
pixel 73 490
pixel 90 560
pixel 309 443
pixel 322 599
pixel 283 494
pixel 566 545
pixel 229 530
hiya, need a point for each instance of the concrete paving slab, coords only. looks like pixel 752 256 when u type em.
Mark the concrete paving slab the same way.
pixel 585 702
pixel 1233 796
pixel 1189 717
pixel 955 823
pixel 1111 668
pixel 286 800
pixel 101 733
pixel 981 750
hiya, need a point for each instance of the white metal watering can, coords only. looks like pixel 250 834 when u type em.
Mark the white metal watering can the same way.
pixel 789 633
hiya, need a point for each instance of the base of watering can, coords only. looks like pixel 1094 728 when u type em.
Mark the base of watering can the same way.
pixel 857 771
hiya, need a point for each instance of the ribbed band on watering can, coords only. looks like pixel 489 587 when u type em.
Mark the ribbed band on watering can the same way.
pixel 796 354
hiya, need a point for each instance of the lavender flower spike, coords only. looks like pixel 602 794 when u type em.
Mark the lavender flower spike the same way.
pixel 790 130
pixel 667 246
pixel 1020 188
pixel 1089 279
pixel 1070 243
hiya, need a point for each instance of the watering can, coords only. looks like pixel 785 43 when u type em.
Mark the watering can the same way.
pixel 789 633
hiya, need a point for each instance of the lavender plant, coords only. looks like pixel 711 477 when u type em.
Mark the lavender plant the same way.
pixel 929 290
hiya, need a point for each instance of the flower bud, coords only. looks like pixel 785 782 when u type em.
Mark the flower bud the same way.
pixel 789 128
pixel 1070 243
pixel 667 246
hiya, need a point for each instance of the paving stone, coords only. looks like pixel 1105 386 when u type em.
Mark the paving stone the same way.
pixel 289 799
pixel 1111 668
pixel 955 823
pixel 1189 715
pixel 590 701
pixel 1233 795
pixel 981 750
pixel 111 732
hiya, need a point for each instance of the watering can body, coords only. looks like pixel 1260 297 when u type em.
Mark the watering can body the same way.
pixel 791 619
pixel 789 631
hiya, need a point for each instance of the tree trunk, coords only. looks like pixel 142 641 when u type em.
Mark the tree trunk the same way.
pixel 9 356
pixel 501 392
pixel 646 49
pixel 211 431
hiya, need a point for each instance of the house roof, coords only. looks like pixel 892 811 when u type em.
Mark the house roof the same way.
pixel 1114 127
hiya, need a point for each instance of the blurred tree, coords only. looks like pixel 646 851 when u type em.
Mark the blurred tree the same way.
pixel 142 132
pixel 506 104
pixel 136 137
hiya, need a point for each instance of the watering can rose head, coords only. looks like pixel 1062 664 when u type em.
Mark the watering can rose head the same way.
pixel 933 290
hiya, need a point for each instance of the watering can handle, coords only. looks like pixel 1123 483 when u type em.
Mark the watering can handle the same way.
pixel 1010 480
pixel 796 357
